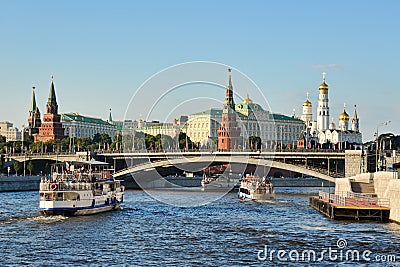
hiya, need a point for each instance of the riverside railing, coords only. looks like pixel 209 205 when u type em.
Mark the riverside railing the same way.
pixel 351 198
pixel 332 198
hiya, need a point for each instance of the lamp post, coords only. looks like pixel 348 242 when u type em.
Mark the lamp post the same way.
pixel 186 138
pixel 377 143
pixel 305 139
pixel 42 141
pixel 22 145
pixel 281 136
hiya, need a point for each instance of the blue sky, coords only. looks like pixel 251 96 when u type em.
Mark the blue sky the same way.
pixel 100 52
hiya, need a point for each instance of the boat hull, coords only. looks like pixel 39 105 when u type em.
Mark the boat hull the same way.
pixel 79 211
pixel 256 197
pixel 84 202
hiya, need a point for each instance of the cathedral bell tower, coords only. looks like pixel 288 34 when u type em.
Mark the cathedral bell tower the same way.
pixel 323 106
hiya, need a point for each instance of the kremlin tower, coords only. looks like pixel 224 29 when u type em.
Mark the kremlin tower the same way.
pixel 51 128
pixel 228 131
pixel 34 121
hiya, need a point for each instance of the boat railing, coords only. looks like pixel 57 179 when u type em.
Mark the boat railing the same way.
pixel 65 186
pixel 81 176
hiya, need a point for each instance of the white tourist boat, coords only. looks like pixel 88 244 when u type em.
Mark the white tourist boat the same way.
pixel 80 188
pixel 255 188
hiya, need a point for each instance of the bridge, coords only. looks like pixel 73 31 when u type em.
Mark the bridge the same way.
pixel 197 163
pixel 62 157
pixel 324 164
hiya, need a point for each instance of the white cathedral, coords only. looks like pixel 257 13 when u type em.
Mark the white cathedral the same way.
pixel 322 131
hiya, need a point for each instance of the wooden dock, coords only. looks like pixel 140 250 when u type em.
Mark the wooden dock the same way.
pixel 351 206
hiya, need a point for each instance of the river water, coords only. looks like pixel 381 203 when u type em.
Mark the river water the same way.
pixel 226 232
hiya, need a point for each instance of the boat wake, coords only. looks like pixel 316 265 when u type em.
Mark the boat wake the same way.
pixel 47 219
pixel 265 201
pixel 38 218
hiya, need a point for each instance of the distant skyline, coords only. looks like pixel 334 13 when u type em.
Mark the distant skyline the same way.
pixel 100 52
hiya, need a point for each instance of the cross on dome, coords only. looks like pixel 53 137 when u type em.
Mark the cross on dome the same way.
pixel 323 76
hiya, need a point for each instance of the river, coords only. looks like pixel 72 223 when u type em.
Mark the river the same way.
pixel 225 232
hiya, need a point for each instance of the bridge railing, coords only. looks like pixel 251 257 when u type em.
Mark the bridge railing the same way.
pixel 145 151
pixel 175 151
pixel 30 154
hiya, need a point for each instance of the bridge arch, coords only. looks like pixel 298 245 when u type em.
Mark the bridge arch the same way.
pixel 223 159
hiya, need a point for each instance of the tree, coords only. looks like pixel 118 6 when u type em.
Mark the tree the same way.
pixel 29 141
pixel 83 143
pixel 182 142
pixel 101 139
pixel 167 142
pixel 150 141
pixel 96 138
pixel 255 142
pixel 49 146
pixel 17 167
pixel 30 167
pixel 116 145
pixel 139 141
pixel 36 147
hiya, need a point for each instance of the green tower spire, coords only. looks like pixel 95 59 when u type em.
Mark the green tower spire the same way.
pixel 110 117
pixel 52 106
pixel 33 103
pixel 52 95
pixel 229 104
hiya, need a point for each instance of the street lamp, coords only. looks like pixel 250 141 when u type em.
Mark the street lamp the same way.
pixel 186 136
pixel 42 141
pixel 377 143
pixel 22 146
pixel 281 136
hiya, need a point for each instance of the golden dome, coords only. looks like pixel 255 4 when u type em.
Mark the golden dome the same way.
pixel 307 103
pixel 344 116
pixel 247 100
pixel 323 86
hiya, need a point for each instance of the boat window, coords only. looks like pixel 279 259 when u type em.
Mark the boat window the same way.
pixel 48 196
pixel 71 196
